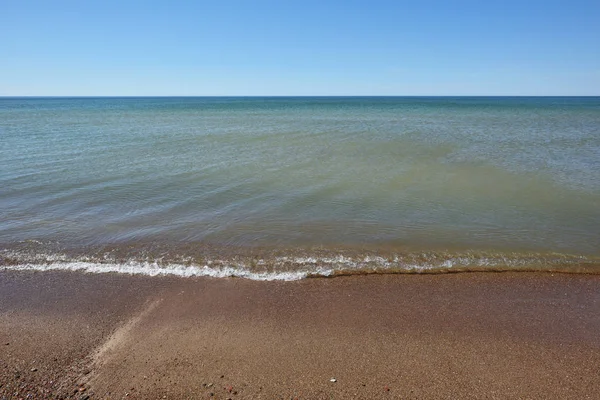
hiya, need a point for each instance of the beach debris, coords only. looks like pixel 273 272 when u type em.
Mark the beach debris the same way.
pixel 222 376
pixel 333 380
pixel 33 369
pixel 209 385
pixel 229 389
pixel 386 388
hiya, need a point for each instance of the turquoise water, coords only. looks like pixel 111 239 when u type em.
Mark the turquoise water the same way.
pixel 508 177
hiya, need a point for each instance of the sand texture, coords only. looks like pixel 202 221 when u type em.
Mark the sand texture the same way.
pixel 471 335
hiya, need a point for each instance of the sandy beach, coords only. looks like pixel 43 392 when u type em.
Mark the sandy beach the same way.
pixel 470 335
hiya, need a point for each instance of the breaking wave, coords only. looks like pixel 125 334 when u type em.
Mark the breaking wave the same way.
pixel 295 266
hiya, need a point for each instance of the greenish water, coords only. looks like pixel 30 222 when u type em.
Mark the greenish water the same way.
pixel 512 177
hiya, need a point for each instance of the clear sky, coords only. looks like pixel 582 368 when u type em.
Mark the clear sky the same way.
pixel 301 47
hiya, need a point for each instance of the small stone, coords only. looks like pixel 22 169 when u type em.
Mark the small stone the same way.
pixel 33 369
pixel 211 394
pixel 82 389
pixel 222 376
pixel 333 380
pixel 85 397
pixel 209 385
pixel 6 344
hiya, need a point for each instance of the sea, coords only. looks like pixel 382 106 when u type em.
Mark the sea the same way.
pixel 285 188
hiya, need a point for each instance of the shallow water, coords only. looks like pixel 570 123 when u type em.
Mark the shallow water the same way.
pixel 396 177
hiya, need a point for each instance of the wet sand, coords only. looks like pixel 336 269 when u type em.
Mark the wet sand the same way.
pixel 470 335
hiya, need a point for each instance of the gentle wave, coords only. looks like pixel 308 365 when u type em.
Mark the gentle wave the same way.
pixel 291 268
pixel 150 269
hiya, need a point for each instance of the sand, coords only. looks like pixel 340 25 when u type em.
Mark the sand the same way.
pixel 469 335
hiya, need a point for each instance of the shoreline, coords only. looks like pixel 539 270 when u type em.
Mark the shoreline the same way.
pixel 475 335
pixel 192 260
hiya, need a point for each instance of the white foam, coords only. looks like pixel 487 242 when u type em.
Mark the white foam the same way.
pixel 279 268
pixel 153 269
pixel 302 267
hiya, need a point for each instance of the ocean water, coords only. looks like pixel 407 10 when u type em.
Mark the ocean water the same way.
pixel 284 188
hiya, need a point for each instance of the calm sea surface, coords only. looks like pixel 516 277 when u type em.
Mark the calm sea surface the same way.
pixel 284 187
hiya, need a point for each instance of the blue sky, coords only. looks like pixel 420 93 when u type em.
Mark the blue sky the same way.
pixel 307 47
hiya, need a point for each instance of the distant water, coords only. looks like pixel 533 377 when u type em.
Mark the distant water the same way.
pixel 283 188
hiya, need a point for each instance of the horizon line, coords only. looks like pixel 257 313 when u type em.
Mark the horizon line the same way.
pixel 281 96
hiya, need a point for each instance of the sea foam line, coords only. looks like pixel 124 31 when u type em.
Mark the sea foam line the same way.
pixel 291 268
pixel 179 270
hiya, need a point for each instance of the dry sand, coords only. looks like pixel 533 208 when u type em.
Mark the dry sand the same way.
pixel 477 335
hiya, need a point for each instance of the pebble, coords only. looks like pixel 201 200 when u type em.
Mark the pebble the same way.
pixel 33 369
pixel 333 380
